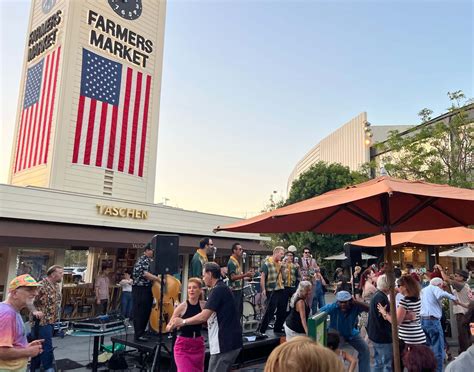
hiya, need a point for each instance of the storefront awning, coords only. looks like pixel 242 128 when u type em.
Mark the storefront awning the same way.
pixel 42 234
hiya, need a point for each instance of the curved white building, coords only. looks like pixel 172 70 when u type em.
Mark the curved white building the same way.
pixel 348 145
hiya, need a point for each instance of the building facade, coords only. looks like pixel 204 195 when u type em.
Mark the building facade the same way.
pixel 89 101
pixel 349 145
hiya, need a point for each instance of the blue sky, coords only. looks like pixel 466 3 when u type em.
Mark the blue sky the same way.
pixel 250 86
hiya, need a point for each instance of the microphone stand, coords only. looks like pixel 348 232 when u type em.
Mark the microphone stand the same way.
pixel 241 307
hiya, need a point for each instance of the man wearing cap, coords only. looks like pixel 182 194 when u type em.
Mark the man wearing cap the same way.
pixel 344 315
pixel 431 312
pixel 47 307
pixel 291 275
pixel 463 292
pixel 142 296
pixel 14 348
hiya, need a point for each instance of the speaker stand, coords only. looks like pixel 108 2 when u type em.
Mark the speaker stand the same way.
pixel 161 344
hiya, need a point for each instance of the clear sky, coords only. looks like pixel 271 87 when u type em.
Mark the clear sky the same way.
pixel 250 86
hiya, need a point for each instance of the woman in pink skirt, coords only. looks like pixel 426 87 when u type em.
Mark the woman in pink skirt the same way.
pixel 189 347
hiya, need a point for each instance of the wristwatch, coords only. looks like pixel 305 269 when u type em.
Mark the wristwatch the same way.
pixel 184 321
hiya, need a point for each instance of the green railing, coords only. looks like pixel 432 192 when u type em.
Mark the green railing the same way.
pixel 317 328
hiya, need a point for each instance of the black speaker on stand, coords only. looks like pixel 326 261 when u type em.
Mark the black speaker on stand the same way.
pixel 354 258
pixel 165 253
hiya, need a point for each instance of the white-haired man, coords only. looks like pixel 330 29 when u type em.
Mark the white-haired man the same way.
pixel 431 312
pixel 379 329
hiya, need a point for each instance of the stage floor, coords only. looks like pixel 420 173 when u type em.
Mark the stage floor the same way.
pixel 252 351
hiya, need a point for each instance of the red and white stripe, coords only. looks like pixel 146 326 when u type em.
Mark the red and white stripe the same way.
pixel 35 124
pixel 114 137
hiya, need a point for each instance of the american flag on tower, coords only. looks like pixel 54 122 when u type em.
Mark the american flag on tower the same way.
pixel 112 117
pixel 37 114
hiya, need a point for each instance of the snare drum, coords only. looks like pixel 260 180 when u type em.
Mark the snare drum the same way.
pixel 249 291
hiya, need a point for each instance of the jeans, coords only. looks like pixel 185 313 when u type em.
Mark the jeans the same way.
pixel 434 339
pixel 46 358
pixel 318 301
pixel 126 304
pixel 274 301
pixel 383 355
pixel 239 305
pixel 222 362
pixel 358 343
pixel 142 305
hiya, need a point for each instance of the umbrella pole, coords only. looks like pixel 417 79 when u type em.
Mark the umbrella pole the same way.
pixel 391 279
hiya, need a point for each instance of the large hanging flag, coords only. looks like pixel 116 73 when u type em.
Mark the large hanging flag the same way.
pixel 112 117
pixel 37 113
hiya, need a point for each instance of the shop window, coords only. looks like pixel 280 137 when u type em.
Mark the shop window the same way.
pixel 34 262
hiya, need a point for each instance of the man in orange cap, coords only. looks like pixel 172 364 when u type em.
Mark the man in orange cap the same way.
pixel 14 348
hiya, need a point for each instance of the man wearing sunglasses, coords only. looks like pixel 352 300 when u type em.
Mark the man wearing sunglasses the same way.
pixel 308 265
pixel 206 246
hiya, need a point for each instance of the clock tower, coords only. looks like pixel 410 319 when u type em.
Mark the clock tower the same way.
pixel 89 101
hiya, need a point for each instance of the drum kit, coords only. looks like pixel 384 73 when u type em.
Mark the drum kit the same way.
pixel 252 306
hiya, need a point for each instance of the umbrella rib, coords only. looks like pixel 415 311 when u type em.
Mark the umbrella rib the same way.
pixel 448 215
pixel 426 203
pixel 337 210
pixel 362 214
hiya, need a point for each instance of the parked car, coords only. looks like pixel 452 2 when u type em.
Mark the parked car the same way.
pixel 78 273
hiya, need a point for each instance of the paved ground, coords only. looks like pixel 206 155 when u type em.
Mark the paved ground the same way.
pixel 79 350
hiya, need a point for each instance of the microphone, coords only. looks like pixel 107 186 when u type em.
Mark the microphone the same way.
pixel 214 253
pixel 244 256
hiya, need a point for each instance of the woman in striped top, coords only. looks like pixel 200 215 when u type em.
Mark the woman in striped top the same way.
pixel 408 314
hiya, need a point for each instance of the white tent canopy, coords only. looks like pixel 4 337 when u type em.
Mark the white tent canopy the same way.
pixel 342 257
pixel 461 252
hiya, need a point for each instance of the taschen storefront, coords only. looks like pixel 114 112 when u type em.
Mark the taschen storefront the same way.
pixel 38 226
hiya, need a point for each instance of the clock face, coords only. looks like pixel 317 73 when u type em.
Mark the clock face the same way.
pixel 127 9
pixel 47 5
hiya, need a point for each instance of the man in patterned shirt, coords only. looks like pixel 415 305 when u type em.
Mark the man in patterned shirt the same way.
pixel 47 307
pixel 271 282
pixel 200 257
pixel 234 272
pixel 142 296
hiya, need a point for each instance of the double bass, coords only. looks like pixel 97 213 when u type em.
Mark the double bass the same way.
pixel 172 289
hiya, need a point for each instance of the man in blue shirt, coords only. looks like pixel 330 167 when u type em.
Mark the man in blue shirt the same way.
pixel 344 315
pixel 431 312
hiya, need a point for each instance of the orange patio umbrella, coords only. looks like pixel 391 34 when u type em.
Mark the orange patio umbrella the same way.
pixel 451 236
pixel 382 205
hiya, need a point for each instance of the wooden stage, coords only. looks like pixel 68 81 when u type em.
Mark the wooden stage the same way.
pixel 252 351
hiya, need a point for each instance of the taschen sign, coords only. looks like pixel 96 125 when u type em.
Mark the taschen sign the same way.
pixel 109 210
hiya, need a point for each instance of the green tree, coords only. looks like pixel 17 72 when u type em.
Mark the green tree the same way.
pixel 75 258
pixel 317 180
pixel 439 151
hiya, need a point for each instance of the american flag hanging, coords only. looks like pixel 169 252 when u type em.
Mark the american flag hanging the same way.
pixel 37 113
pixel 112 118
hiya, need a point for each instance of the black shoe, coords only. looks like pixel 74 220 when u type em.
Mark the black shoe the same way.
pixel 142 339
pixel 260 336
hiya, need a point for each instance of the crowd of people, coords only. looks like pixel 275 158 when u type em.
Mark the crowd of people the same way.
pixel 293 288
